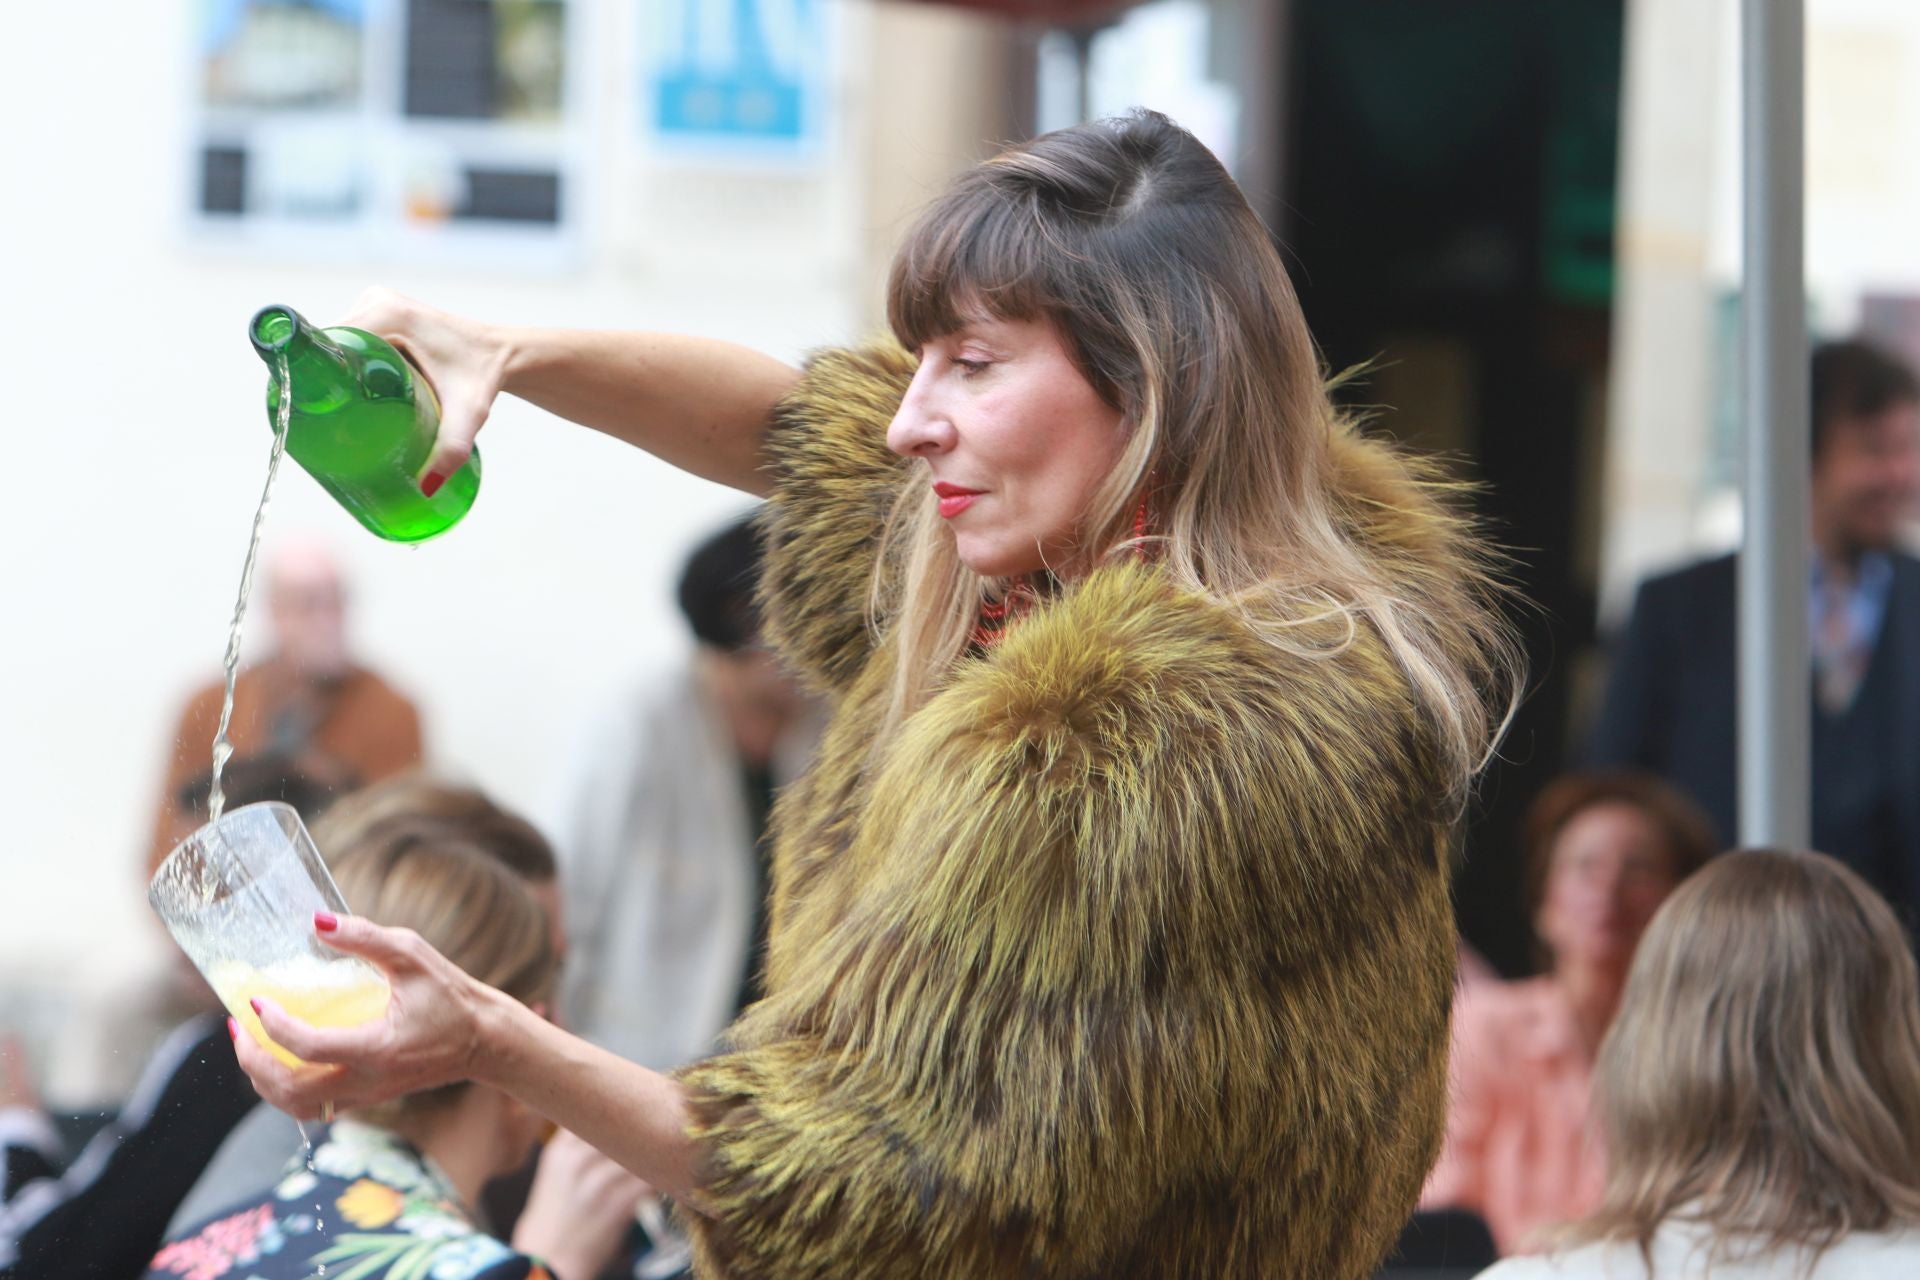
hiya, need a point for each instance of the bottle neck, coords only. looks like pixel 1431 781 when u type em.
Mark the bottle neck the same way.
pixel 322 375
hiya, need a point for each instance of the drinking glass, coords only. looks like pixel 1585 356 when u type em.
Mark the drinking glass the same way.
pixel 239 896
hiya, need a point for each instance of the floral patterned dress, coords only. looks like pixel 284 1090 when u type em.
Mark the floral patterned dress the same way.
pixel 370 1207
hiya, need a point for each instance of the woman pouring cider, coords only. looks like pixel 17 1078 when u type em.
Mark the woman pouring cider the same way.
pixel 1110 932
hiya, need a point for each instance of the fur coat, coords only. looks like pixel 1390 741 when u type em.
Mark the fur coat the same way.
pixel 1132 957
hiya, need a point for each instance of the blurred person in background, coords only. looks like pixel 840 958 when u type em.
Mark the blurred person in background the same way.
pixel 1760 1090
pixel 663 828
pixel 392 1189
pixel 1603 852
pixel 186 1097
pixel 1669 706
pixel 28 1142
pixel 1111 931
pixel 306 707
pixel 383 821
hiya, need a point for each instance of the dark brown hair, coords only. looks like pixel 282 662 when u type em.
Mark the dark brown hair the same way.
pixel 1855 379
pixel 1685 830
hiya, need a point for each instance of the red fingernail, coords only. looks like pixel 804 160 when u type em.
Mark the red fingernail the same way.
pixel 325 921
pixel 255 1002
pixel 431 485
pixel 233 1029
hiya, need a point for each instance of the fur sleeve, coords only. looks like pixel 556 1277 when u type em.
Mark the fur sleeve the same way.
pixel 1151 954
pixel 834 482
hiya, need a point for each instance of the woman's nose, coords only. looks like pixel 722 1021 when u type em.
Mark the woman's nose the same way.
pixel 919 428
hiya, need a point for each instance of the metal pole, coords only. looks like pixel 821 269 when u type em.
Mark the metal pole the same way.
pixel 1773 664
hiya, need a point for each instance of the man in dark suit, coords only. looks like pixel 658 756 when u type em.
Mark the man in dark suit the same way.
pixel 1669 706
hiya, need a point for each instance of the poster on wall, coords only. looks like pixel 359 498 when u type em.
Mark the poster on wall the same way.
pixel 490 60
pixel 735 79
pixel 267 54
pixel 388 126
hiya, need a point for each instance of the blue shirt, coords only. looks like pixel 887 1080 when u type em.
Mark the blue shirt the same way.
pixel 1866 601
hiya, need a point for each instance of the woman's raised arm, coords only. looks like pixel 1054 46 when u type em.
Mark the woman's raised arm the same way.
pixel 698 403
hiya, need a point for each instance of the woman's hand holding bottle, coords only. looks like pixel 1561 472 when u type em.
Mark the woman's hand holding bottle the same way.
pixel 464 360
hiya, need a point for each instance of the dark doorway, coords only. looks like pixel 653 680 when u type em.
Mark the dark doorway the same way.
pixel 1449 213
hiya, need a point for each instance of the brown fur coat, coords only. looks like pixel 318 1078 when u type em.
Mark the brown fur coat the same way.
pixel 1133 958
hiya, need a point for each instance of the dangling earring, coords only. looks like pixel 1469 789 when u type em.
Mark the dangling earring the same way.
pixel 1143 514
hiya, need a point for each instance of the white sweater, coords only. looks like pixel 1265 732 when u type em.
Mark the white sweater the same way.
pixel 1680 1252
pixel 655 843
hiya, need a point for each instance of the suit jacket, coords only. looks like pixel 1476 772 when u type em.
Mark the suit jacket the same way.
pixel 1131 955
pixel 1670 708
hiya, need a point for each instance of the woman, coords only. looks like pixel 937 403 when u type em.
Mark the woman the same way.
pixel 393 1189
pixel 382 821
pixel 1760 1090
pixel 1110 931
pixel 1603 852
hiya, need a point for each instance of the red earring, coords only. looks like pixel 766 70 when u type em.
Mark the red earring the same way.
pixel 1142 515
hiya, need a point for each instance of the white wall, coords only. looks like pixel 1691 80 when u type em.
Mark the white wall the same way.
pixel 136 441
pixel 135 444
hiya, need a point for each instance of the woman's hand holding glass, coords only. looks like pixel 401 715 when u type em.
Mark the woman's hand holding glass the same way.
pixel 431 1034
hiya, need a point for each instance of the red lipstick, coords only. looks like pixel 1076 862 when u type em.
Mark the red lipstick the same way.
pixel 954 499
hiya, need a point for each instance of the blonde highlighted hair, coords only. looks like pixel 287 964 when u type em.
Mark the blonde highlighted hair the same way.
pixel 1132 240
pixel 451 865
pixel 1763 1073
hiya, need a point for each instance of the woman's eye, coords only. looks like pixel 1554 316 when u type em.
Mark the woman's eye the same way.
pixel 971 368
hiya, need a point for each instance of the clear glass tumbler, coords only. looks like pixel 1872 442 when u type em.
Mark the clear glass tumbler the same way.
pixel 239 896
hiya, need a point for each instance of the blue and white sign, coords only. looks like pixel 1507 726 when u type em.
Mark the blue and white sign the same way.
pixel 737 75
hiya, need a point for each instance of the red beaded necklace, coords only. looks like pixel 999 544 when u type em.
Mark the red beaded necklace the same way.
pixel 998 617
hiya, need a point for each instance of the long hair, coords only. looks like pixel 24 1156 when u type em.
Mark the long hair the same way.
pixel 1763 1074
pixel 1132 240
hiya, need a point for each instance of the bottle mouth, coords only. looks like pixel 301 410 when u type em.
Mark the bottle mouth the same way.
pixel 272 328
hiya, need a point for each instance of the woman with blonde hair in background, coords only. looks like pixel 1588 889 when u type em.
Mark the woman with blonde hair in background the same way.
pixel 1760 1089
pixel 393 1189
pixel 1110 932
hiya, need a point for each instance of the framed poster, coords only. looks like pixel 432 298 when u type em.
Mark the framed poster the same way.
pixel 740 79
pixel 370 128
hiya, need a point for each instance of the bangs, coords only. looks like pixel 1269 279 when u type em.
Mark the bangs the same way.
pixel 974 254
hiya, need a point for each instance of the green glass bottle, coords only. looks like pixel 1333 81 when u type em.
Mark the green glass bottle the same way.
pixel 363 425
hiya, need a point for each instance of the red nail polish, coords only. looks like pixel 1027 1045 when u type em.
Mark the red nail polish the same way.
pixel 233 1029
pixel 255 1002
pixel 431 485
pixel 325 921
